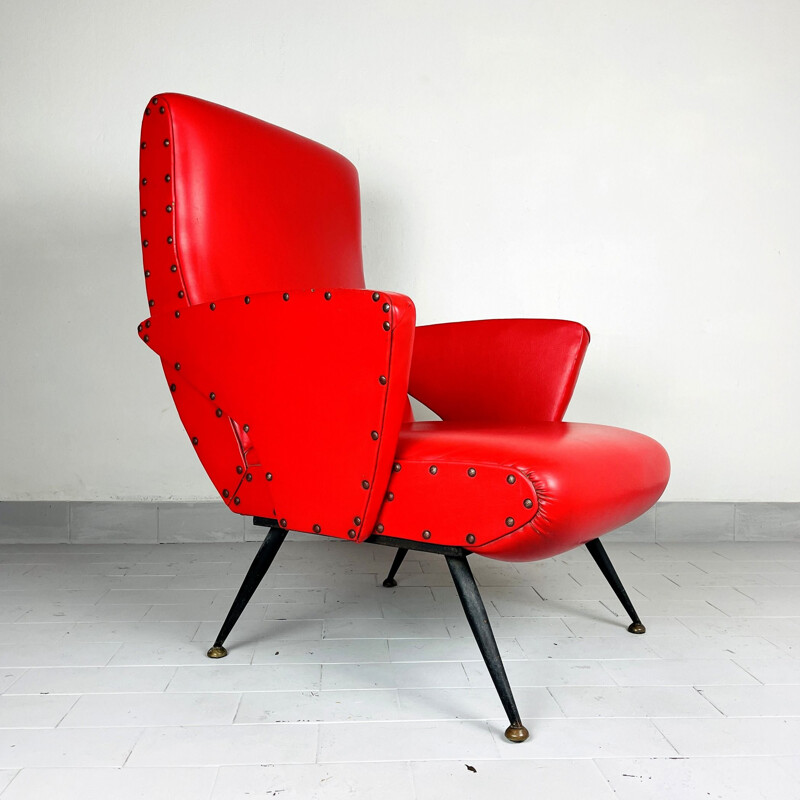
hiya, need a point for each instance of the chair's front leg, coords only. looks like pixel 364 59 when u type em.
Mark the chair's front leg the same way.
pixel 479 622
pixel 261 563
pixel 398 560
pixel 607 568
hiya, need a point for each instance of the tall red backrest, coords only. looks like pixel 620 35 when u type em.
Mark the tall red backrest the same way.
pixel 231 205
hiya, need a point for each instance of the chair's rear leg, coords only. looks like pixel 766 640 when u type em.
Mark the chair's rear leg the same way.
pixel 264 557
pixel 398 560
pixel 607 568
pixel 479 622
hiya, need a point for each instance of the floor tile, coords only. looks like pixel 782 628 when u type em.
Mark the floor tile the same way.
pixel 315 706
pixel 405 741
pixel 544 673
pixel 324 651
pixel 713 646
pixel 92 680
pixel 393 676
pixel 670 778
pixel 58 654
pixel 203 746
pixel 8 677
pixel 733 736
pixel 442 650
pixel 633 701
pixel 148 654
pixel 315 781
pixel 104 747
pixel 385 629
pixel 255 678
pixel 677 672
pixel 6 776
pixel 475 704
pixel 256 632
pixel 754 701
pixel 151 710
pixel 591 647
pixel 478 780
pixel 772 670
pixel 34 711
pixel 110 782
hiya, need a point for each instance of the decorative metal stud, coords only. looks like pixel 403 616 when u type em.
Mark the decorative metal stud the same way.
pixel 139 328
pixel 472 472
pixel 351 533
pixel 374 435
pixel 180 294
pixel 166 142
pixel 282 523
pixel 177 314
pixel 236 501
pixel 147 323
pixel 145 243
pixel 212 396
pixel 247 300
pixel 248 477
pixel 167 178
pixel 169 240
pixel 225 493
pixel 194 440
pixel 286 295
pixel 382 380
pixel 147 111
pixel 161 110
pixel 390 496
pixel 470 538
pixel 144 145
pixel 173 268
pixel 144 181
pixel 218 412
pixel 146 338
pixel 239 469
pixel 379 527
pixel 397 467
pixel 365 484
pixel 316 528
pixel 144 212
pixel 357 520
pixel 387 326
pixel 147 273
pixel 213 306
pixel 527 502
pixel 169 209
pixel 433 470
pixel 386 307
pixel 327 295
pixel 426 534
pixel 155 101
pixel 177 365
pixel 246 428
pixel 510 522
pixel 376 296
pixel 511 478
pixel 173 387
pixel 151 303
pixel 269 476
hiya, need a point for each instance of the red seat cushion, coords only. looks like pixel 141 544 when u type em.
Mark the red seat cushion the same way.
pixel 519 493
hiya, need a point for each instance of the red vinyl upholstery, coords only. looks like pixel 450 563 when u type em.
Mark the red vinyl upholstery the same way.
pixel 291 378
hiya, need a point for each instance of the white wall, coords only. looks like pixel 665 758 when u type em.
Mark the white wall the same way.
pixel 632 165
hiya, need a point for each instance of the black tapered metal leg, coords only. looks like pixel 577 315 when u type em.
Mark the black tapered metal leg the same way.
pixel 479 622
pixel 258 569
pixel 607 568
pixel 398 560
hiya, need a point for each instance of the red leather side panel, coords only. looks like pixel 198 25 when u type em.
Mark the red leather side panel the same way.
pixel 500 370
pixel 318 381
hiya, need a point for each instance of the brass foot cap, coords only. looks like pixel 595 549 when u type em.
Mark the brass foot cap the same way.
pixel 389 583
pixel 636 627
pixel 516 733
pixel 218 651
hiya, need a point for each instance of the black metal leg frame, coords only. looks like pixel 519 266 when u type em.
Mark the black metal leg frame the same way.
pixel 462 577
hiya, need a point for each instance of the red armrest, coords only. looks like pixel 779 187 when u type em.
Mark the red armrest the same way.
pixel 318 381
pixel 502 370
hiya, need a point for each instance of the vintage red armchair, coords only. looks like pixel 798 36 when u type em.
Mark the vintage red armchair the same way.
pixel 292 379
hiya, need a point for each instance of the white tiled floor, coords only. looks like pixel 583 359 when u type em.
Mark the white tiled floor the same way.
pixel 336 687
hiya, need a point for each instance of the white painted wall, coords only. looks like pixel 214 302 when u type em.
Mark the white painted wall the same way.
pixel 632 165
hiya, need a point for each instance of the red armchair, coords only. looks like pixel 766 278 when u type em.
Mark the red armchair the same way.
pixel 291 378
